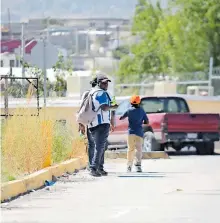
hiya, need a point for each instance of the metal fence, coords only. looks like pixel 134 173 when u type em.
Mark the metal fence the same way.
pixel 17 90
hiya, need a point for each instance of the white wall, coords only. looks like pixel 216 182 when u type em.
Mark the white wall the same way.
pixel 7 57
pixel 38 53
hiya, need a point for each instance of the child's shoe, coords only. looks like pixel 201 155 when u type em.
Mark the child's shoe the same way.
pixel 129 169
pixel 138 169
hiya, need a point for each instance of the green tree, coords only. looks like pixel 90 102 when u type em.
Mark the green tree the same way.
pixel 174 42
pixel 61 68
pixel 120 52
pixel 146 57
pixel 182 44
pixel 205 15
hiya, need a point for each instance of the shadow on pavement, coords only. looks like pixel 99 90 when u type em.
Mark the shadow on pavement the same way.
pixel 145 173
pixel 167 172
pixel 141 176
pixel 184 152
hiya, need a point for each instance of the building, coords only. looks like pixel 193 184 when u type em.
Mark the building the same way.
pixel 11 51
pixel 11 45
pixel 35 50
pixel 9 60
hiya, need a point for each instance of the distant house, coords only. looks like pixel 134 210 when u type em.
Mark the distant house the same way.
pixel 9 60
pixel 10 51
pixel 11 45
pixel 34 53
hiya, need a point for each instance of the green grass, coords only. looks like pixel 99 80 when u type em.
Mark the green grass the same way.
pixel 5 176
pixel 24 152
pixel 61 143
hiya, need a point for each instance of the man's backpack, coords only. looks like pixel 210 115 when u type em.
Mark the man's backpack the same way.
pixel 87 112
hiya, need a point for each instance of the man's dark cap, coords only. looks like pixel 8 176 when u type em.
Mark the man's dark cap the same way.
pixel 102 78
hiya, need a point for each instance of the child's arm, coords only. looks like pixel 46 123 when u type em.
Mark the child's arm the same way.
pixel 145 118
pixel 125 115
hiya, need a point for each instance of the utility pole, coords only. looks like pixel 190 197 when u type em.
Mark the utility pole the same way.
pixel 72 43
pixel 46 40
pixel 115 60
pixel 6 96
pixel 45 70
pixel 76 42
pixel 117 35
pixel 210 74
pixel 87 42
pixel 48 24
pixel 106 25
pixel 9 24
pixel 22 52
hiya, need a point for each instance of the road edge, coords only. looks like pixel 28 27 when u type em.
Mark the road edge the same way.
pixel 37 179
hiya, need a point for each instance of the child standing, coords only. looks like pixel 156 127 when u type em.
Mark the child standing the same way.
pixel 136 118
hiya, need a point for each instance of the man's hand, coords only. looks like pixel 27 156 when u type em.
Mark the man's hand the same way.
pixel 112 121
pixel 121 118
pixel 82 129
pixel 112 128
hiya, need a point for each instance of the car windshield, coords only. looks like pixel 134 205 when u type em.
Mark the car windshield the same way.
pixel 167 105
pixel 157 105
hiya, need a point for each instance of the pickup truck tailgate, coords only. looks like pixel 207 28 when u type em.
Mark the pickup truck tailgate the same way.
pixel 189 122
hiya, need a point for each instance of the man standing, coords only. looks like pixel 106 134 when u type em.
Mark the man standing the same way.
pixel 101 125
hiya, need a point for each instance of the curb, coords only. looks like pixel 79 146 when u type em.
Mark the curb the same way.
pixel 146 155
pixel 37 180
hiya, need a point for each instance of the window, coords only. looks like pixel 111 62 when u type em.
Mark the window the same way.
pixel 183 106
pixel 172 106
pixel 123 107
pixel 167 105
pixel 2 63
pixel 11 63
pixel 153 105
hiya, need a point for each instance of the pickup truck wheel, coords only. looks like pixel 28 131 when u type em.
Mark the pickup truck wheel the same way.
pixel 178 148
pixel 210 146
pixel 150 142
pixel 205 148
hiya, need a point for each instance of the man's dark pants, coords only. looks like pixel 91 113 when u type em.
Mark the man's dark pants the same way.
pixel 91 146
pixel 100 135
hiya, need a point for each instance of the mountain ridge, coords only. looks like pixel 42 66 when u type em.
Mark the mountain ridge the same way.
pixel 23 9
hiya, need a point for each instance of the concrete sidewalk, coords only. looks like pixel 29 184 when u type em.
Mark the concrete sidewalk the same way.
pixel 176 190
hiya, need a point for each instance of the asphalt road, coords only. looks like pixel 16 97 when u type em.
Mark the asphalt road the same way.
pixel 185 188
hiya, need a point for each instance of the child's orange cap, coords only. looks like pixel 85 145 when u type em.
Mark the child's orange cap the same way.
pixel 135 100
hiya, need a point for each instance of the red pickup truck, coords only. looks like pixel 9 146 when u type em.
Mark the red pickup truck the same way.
pixel 170 125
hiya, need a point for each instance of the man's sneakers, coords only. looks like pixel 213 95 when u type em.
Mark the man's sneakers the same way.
pixel 98 173
pixel 103 172
pixel 95 173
